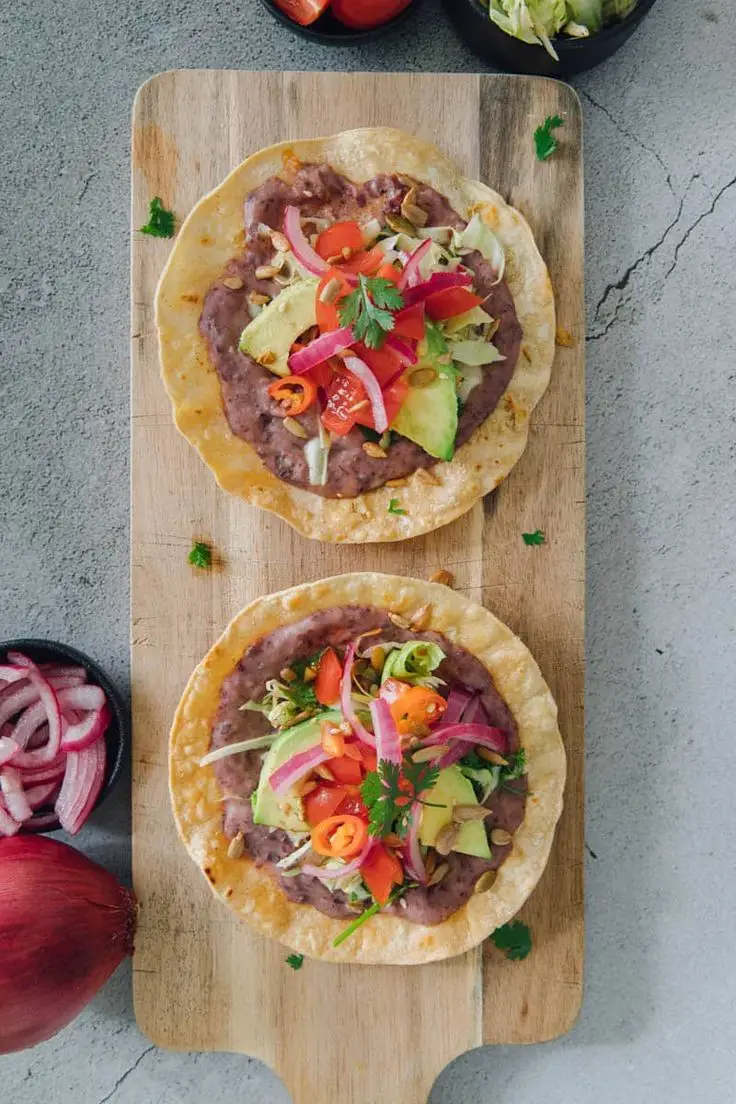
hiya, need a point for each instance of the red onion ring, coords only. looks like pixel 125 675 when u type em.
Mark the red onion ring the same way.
pixel 372 389
pixel 321 349
pixel 346 699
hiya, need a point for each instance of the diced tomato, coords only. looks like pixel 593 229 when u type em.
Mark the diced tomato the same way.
pixel 329 673
pixel 393 688
pixel 321 374
pixel 344 392
pixel 363 14
pixel 323 802
pixel 302 11
pixel 370 758
pixel 393 399
pixel 451 301
pixel 367 261
pixel 389 272
pixel 339 236
pixel 384 362
pixel 410 323
pixel 327 313
pixel 381 871
pixel 353 804
pixel 346 771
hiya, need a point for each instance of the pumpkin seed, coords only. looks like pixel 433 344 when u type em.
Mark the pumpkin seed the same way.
pixel 370 448
pixel 420 620
pixel 426 754
pixel 422 377
pixel 295 429
pixel 501 837
pixel 446 578
pixel 492 757
pixel 438 874
pixel 485 881
pixel 462 813
pixel 446 838
pixel 236 847
pixel 399 621
pixel 233 282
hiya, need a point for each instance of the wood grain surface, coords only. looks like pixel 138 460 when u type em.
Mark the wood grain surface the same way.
pixel 202 980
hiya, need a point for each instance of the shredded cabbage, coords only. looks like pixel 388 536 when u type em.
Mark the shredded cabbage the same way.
pixel 475 317
pixel 477 235
pixel 487 780
pixel 474 351
pixel 532 21
pixel 413 662
pixel 317 452
pixel 467 380
pixel 587 14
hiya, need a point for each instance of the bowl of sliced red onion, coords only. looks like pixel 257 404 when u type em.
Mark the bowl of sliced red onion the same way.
pixel 63 729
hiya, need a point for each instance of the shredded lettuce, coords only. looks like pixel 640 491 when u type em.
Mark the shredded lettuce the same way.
pixel 317 452
pixel 477 235
pixel 586 13
pixel 468 380
pixel 413 662
pixel 485 781
pixel 474 351
pixel 475 317
pixel 538 21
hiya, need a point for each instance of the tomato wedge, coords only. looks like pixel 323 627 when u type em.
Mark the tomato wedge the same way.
pixel 353 803
pixel 381 871
pixel 339 236
pixel 410 323
pixel 363 14
pixel 451 301
pixel 294 394
pixel 367 261
pixel 384 363
pixel 389 272
pixel 393 399
pixel 302 12
pixel 345 770
pixel 324 802
pixel 370 758
pixel 329 673
pixel 342 836
pixel 344 393
pixel 417 706
pixel 327 313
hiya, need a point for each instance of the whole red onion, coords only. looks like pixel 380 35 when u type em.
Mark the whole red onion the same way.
pixel 65 926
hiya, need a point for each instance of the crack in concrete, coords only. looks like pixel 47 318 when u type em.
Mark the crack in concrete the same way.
pixel 632 137
pixel 126 1075
pixel 623 281
pixel 718 196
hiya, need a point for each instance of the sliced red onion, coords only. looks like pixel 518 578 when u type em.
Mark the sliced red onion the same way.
pixel 388 741
pixel 85 773
pixel 457 700
pixel 307 257
pixel 474 714
pixel 42 794
pixel 54 772
pixel 16 801
pixel 285 776
pixel 475 734
pixel 346 699
pixel 403 350
pixel 456 752
pixel 82 697
pixel 49 752
pixel 77 737
pixel 63 670
pixel 16 700
pixel 63 682
pixel 412 854
pixel 350 868
pixel 28 723
pixel 372 389
pixel 321 349
pixel 10 674
pixel 438 281
pixel 8 750
pixel 8 826
pixel 410 274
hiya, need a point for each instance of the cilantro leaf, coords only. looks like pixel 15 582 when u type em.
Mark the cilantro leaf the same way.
pixel 514 938
pixel 544 140
pixel 160 221
pixel 535 538
pixel 368 309
pixel 369 912
pixel 200 555
pixel 516 767
pixel 296 961
pixel 387 798
pixel 394 508
pixel 436 344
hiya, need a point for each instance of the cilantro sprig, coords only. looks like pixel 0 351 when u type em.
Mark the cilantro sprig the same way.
pixel 371 911
pixel 296 961
pixel 200 555
pixel 544 140
pixel 368 309
pixel 514 939
pixel 394 508
pixel 160 221
pixel 389 792
pixel 535 538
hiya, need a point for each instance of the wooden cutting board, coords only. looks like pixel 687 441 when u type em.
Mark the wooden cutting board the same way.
pixel 203 981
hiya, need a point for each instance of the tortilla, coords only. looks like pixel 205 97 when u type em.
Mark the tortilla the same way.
pixel 390 940
pixel 213 233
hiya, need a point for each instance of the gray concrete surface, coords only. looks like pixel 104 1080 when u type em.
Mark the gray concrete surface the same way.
pixel 657 1022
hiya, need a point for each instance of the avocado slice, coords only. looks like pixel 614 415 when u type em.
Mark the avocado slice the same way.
pixel 428 415
pixel 453 788
pixel 281 812
pixel 280 323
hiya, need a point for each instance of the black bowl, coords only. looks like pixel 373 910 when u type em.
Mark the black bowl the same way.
pixel 504 52
pixel 49 651
pixel 329 30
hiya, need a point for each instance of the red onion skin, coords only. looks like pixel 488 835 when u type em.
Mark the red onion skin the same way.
pixel 65 926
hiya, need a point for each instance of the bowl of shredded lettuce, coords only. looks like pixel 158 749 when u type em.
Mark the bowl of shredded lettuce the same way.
pixel 554 38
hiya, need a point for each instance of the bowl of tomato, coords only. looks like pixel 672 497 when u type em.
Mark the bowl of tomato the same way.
pixel 340 22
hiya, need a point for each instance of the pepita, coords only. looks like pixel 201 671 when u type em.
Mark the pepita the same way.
pixel 422 377
pixel 485 881
pixel 438 874
pixel 295 428
pixel 446 839
pixel 446 578
pixel 501 837
pixel 462 813
pixel 236 847
pixel 427 754
pixel 421 618
pixel 233 282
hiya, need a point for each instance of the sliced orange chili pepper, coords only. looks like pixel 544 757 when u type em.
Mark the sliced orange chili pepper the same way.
pixel 353 752
pixel 340 837
pixel 295 394
pixel 333 740
pixel 418 706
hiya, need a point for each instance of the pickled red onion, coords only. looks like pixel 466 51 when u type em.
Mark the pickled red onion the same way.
pixel 439 281
pixel 306 256
pixel 321 349
pixel 372 389
pixel 410 274
pixel 284 777
pixel 346 699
